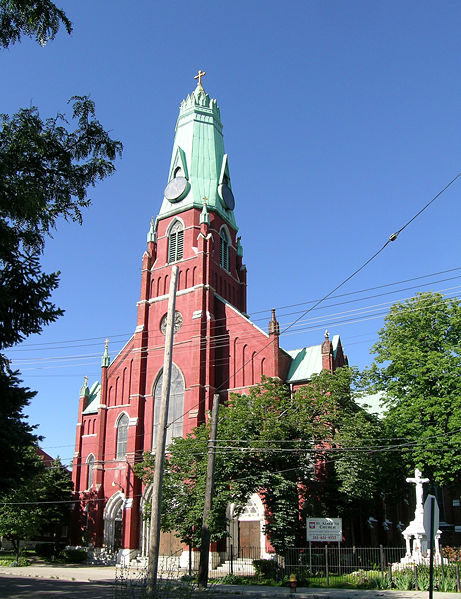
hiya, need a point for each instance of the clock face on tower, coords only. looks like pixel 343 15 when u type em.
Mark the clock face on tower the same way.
pixel 176 189
pixel 227 196
pixel 177 322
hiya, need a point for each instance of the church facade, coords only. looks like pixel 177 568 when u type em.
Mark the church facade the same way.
pixel 216 348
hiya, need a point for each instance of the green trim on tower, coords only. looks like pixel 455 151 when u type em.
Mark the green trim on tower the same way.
pixel 198 153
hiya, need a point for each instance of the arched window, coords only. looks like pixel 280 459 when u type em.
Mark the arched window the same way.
pixel 176 242
pixel 175 406
pixel 122 436
pixel 224 249
pixel 89 472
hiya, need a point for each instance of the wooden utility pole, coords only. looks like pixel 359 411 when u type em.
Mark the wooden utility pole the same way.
pixel 205 538
pixel 154 540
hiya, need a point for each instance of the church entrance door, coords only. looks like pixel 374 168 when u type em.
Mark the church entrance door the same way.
pixel 113 516
pixel 249 544
pixel 118 530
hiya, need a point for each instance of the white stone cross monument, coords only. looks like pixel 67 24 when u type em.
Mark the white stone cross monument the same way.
pixel 417 552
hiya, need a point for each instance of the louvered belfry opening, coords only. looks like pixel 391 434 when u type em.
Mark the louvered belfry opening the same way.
pixel 176 242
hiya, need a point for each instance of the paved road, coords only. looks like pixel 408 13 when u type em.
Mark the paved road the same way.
pixel 33 588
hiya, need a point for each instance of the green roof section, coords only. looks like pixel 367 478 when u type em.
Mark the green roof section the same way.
pixel 93 399
pixel 307 361
pixel 304 363
pixel 198 156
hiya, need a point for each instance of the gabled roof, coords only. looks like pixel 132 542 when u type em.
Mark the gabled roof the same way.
pixel 93 399
pixel 307 361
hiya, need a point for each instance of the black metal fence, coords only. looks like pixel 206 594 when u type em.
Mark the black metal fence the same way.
pixel 318 564
pixel 333 562
pixel 315 567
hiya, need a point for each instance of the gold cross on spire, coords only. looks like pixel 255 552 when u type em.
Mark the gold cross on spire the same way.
pixel 199 76
pixel 107 343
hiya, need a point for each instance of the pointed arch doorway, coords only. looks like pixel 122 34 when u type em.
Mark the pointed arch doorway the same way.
pixel 246 537
pixel 113 516
pixel 169 546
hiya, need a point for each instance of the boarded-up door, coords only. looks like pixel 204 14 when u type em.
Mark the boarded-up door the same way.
pixel 249 539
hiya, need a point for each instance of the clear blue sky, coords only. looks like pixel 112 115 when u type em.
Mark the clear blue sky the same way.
pixel 341 120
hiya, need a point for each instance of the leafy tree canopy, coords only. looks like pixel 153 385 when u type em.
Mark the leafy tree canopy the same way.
pixel 45 170
pixel 39 19
pixel 40 505
pixel 417 366
pixel 276 444
pixel 46 167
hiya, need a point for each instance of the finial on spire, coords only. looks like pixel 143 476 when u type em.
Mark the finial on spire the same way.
pixel 327 334
pixel 105 361
pixel 151 233
pixel 204 216
pixel 84 388
pixel 274 327
pixel 199 76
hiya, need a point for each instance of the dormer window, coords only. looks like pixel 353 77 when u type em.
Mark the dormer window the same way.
pixel 176 242
pixel 224 249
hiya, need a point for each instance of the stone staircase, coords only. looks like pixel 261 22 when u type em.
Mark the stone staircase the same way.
pixel 241 566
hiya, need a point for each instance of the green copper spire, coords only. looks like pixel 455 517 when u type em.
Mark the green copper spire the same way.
pixel 199 166
pixel 84 391
pixel 105 361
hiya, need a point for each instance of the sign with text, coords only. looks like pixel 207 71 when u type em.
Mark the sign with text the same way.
pixel 326 530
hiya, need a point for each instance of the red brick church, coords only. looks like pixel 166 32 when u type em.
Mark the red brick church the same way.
pixel 216 347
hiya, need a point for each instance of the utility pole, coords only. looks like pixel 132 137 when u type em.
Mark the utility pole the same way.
pixel 205 538
pixel 154 540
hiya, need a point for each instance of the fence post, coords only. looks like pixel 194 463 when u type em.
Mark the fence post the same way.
pixel 458 585
pixel 326 566
pixel 231 559
pixel 415 570
pixel 390 575
pixel 381 555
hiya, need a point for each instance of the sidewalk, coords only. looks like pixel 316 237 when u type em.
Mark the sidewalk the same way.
pixel 85 573
pixel 77 572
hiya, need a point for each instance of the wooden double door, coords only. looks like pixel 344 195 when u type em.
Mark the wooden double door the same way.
pixel 249 539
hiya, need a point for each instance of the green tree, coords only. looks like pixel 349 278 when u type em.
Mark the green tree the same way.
pixel 417 366
pixel 270 442
pixel 46 168
pixel 39 19
pixel 40 505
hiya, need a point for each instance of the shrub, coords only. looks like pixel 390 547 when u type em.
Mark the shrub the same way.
pixel 22 561
pixel 233 579
pixel 44 550
pixel 74 556
pixel 267 568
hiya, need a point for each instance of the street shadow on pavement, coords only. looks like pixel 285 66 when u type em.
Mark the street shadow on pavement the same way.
pixel 35 588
